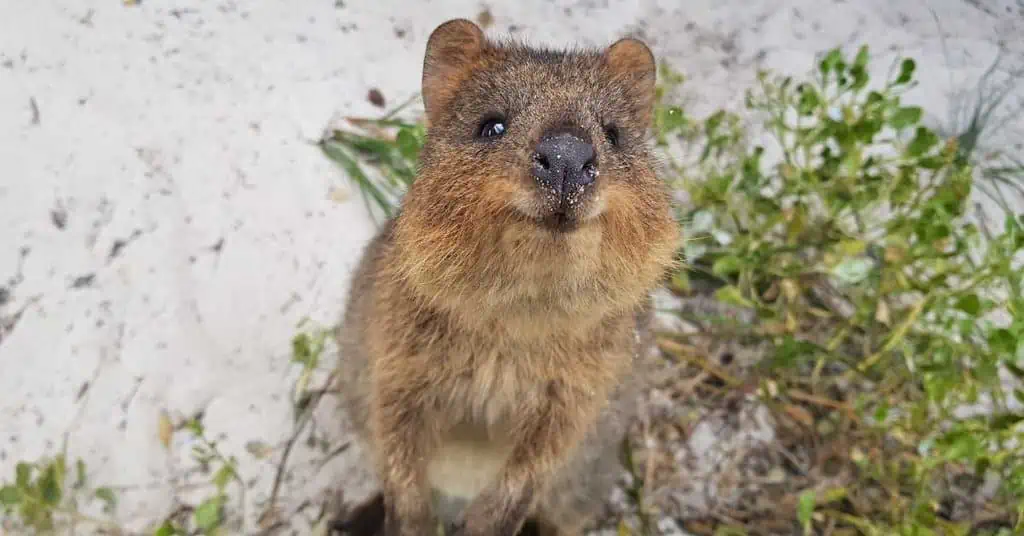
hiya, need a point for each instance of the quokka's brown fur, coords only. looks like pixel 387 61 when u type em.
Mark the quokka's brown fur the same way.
pixel 486 354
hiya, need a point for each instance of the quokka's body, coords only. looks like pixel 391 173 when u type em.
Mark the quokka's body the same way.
pixel 488 344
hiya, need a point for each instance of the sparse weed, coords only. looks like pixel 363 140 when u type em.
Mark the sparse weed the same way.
pixel 208 517
pixel 391 148
pixel 45 497
pixel 979 114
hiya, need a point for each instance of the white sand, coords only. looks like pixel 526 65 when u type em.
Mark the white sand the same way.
pixel 183 131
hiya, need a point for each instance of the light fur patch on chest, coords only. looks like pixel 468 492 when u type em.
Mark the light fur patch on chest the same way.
pixel 461 468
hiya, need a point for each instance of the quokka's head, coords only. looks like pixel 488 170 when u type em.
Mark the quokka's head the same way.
pixel 536 165
pixel 553 137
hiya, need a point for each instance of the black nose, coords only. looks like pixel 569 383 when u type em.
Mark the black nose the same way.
pixel 563 160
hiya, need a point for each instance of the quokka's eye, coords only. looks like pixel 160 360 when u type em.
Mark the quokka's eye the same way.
pixel 492 128
pixel 611 133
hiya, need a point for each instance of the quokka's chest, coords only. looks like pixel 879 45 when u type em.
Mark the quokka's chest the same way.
pixel 481 402
pixel 465 463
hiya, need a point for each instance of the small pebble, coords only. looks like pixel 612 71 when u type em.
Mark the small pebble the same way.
pixel 376 98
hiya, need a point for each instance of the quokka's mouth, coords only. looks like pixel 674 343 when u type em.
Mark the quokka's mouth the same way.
pixel 560 222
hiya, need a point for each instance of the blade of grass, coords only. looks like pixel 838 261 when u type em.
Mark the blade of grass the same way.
pixel 337 153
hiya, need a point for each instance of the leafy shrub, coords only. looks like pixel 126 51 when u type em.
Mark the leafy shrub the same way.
pixel 855 249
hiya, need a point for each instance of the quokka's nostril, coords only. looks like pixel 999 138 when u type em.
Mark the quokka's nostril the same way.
pixel 541 161
pixel 590 170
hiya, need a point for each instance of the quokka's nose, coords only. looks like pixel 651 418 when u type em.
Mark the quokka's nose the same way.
pixel 564 160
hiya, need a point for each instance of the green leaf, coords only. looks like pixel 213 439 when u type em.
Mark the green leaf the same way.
pixel 670 119
pixel 338 152
pixel 905 117
pixel 907 68
pixel 962 445
pixel 835 494
pixel 223 476
pixel 982 466
pixel 1002 341
pixel 866 130
pixel 874 99
pixel 1004 421
pixel 50 486
pixel 23 474
pixel 860 77
pixel 208 514
pixel 713 122
pixel 806 509
pixel 38 516
pixel 830 62
pixel 853 271
pixel 681 282
pixel 924 140
pixel 862 57
pixel 80 474
pixel 60 469
pixel 166 529
pixel 882 412
pixel 408 145
pixel 107 496
pixel 850 247
pixel 790 352
pixel 195 425
pixel 9 496
pixel 809 100
pixel 969 304
pixel 726 266
pixel 301 352
pixel 732 295
pixel 752 178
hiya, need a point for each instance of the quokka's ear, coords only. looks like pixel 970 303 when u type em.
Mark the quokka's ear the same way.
pixel 631 62
pixel 452 49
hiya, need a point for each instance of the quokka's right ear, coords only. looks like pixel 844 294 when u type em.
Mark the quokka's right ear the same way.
pixel 632 63
pixel 452 49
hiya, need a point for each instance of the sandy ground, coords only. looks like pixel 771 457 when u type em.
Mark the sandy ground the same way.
pixel 166 221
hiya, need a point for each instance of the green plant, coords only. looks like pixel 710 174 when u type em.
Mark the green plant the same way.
pixel 391 146
pixel 979 114
pixel 208 517
pixel 869 283
pixel 308 347
pixel 44 497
